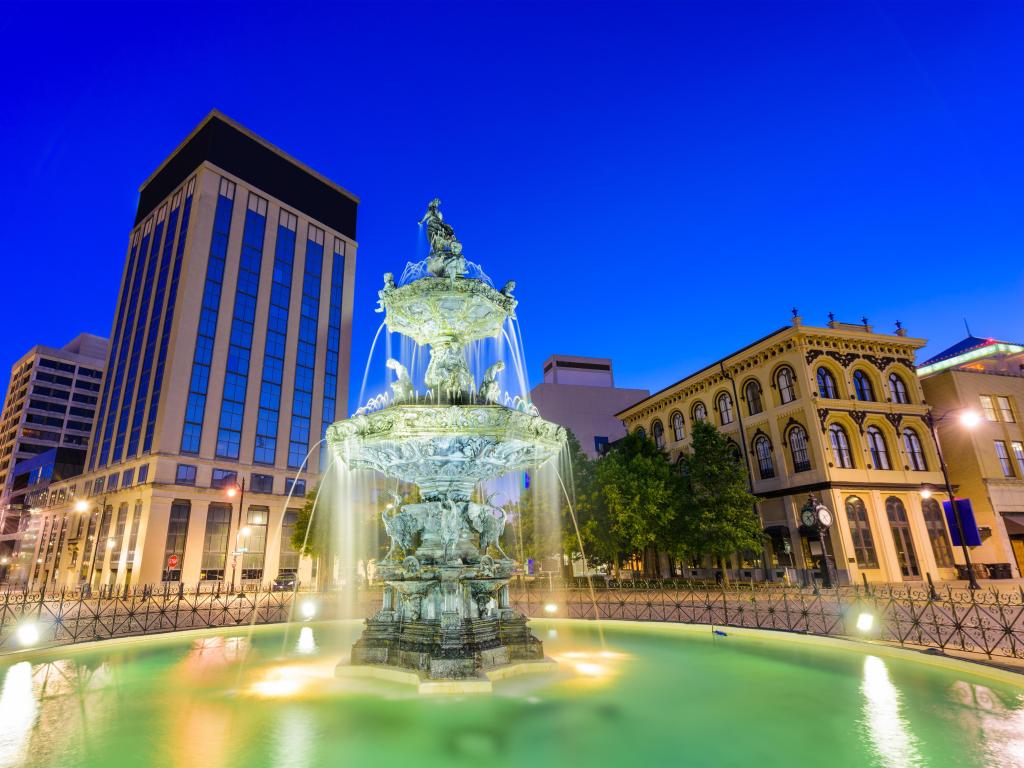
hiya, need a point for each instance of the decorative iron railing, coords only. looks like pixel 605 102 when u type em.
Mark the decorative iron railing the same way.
pixel 988 622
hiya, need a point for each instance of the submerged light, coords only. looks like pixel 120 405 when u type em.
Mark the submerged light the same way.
pixel 27 634
pixel 550 608
pixel 865 622
pixel 307 609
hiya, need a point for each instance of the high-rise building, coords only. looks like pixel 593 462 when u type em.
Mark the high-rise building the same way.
pixel 985 459
pixel 229 358
pixel 835 411
pixel 50 404
pixel 579 393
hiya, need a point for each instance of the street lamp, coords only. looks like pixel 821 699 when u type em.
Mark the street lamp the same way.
pixel 969 419
pixel 237 490
pixel 817 516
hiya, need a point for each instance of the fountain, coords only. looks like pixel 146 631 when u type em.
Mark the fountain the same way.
pixel 446 612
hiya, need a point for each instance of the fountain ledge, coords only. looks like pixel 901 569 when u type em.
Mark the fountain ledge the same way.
pixel 483 682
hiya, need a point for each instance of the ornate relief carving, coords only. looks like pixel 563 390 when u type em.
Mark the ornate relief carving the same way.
pixel 843 359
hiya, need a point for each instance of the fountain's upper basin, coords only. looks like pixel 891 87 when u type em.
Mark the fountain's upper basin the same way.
pixel 435 308
pixel 445 447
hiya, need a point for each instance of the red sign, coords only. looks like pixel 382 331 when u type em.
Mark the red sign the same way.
pixel 172 562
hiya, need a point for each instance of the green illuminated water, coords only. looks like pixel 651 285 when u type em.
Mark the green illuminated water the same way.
pixel 664 696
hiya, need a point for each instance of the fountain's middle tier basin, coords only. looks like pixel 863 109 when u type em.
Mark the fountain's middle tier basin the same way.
pixel 447 447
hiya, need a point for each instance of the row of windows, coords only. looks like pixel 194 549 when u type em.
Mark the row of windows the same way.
pixel 997 408
pixel 863 387
pixel 214 557
pixel 305 357
pixel 329 410
pixel 1005 461
pixel 124 479
pixel 864 542
pixel 227 478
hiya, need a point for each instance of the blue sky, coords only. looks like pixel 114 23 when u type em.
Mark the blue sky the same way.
pixel 664 181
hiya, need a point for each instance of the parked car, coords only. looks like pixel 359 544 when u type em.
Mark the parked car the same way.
pixel 285 582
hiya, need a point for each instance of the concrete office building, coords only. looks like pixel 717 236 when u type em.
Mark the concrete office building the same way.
pixel 986 460
pixel 229 358
pixel 580 394
pixel 50 404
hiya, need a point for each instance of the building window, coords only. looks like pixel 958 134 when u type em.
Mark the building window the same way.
pixel 658 433
pixel 215 542
pixel 97 486
pixel 297 488
pixel 700 413
pixel 112 481
pixel 1018 453
pixel 827 384
pixel 725 409
pixel 763 451
pixel 288 561
pixel 937 534
pixel 899 526
pixel 878 449
pixel 1005 410
pixel 143 473
pixel 1004 459
pixel 988 409
pixel 798 449
pixel 677 426
pixel 753 394
pixel 255 543
pixel 186 474
pixel 199 380
pixel 334 306
pixel 860 532
pixel 261 483
pixel 862 386
pixel 128 478
pixel 224 478
pixel 912 445
pixel 305 349
pixel 177 532
pixel 840 446
pixel 898 389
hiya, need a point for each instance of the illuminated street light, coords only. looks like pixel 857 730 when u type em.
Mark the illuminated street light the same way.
pixel 970 419
pixel 926 492
pixel 81 505
pixel 232 492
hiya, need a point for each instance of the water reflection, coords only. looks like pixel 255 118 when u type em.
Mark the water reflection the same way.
pixel 306 643
pixel 886 727
pixel 17 714
pixel 208 653
pixel 1002 727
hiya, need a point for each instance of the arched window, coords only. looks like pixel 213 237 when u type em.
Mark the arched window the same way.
pixel 937 533
pixel 700 413
pixel 798 449
pixel 906 556
pixel 763 451
pixel 677 426
pixel 787 387
pixel 642 432
pixel 860 532
pixel 862 386
pixel 877 447
pixel 725 408
pixel 753 394
pixel 898 388
pixel 912 444
pixel 658 433
pixel 840 446
pixel 827 384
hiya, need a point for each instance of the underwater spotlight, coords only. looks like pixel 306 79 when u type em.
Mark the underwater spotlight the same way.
pixel 865 622
pixel 550 608
pixel 307 609
pixel 27 634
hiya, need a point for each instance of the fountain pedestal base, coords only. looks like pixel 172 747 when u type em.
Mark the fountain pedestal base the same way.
pixel 448 650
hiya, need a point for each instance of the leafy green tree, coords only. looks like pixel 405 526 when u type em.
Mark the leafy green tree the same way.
pixel 309 542
pixel 717 515
pixel 633 503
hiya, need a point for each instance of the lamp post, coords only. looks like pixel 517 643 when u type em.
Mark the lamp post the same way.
pixel 969 419
pixel 237 490
pixel 814 514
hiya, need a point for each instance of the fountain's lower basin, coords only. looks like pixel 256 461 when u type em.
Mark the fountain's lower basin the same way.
pixel 623 694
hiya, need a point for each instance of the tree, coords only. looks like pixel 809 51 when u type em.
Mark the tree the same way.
pixel 635 499
pixel 309 543
pixel 717 508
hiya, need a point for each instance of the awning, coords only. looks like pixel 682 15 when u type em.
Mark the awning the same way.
pixel 1014 524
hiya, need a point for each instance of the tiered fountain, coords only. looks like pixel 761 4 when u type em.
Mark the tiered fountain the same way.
pixel 446 612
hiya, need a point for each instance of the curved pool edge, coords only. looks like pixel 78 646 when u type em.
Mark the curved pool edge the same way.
pixel 984 668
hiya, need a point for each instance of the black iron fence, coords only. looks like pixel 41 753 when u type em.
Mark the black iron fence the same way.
pixel 988 622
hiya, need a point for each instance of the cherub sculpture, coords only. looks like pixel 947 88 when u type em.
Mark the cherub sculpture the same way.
pixel 402 385
pixel 389 285
pixel 490 389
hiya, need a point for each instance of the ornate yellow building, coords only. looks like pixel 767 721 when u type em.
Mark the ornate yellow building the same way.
pixel 837 412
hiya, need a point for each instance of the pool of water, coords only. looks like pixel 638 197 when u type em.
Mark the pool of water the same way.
pixel 624 695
